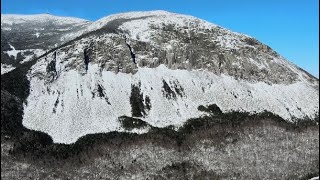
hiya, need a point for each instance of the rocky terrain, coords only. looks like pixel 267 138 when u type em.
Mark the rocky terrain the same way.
pixel 154 95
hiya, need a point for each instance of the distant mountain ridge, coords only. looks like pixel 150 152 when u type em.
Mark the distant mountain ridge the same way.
pixel 25 37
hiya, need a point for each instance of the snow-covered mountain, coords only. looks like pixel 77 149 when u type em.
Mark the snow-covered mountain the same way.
pixel 85 85
pixel 25 37
pixel 151 95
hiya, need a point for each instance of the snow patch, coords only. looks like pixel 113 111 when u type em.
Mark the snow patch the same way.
pixel 6 68
pixel 259 65
pixel 13 52
pixel 35 52
pixel 315 178
pixel 37 34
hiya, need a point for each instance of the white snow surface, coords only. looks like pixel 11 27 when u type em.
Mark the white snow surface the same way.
pixel 10 19
pixel 77 113
pixel 139 23
pixel 13 52
pixel 5 68
pixel 37 34
pixel 315 178
pixel 36 52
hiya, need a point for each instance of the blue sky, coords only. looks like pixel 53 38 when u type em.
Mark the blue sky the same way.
pixel 291 27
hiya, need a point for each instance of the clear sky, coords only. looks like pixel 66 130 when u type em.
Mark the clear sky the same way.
pixel 291 27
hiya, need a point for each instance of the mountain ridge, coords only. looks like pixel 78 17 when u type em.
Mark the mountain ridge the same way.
pixel 171 51
pixel 182 63
pixel 7 18
pixel 135 98
pixel 94 25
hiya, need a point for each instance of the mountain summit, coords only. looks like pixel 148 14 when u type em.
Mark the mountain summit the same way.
pixel 160 67
pixel 151 95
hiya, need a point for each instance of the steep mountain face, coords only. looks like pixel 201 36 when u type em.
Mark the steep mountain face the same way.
pixel 156 95
pixel 85 85
pixel 24 37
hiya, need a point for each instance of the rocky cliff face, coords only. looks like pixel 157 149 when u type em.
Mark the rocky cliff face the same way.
pixel 181 42
pixel 179 89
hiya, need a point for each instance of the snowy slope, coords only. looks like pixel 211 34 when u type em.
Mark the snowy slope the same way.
pixel 6 68
pixel 67 110
pixel 139 22
pixel 182 63
pixel 10 19
pixel 25 37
